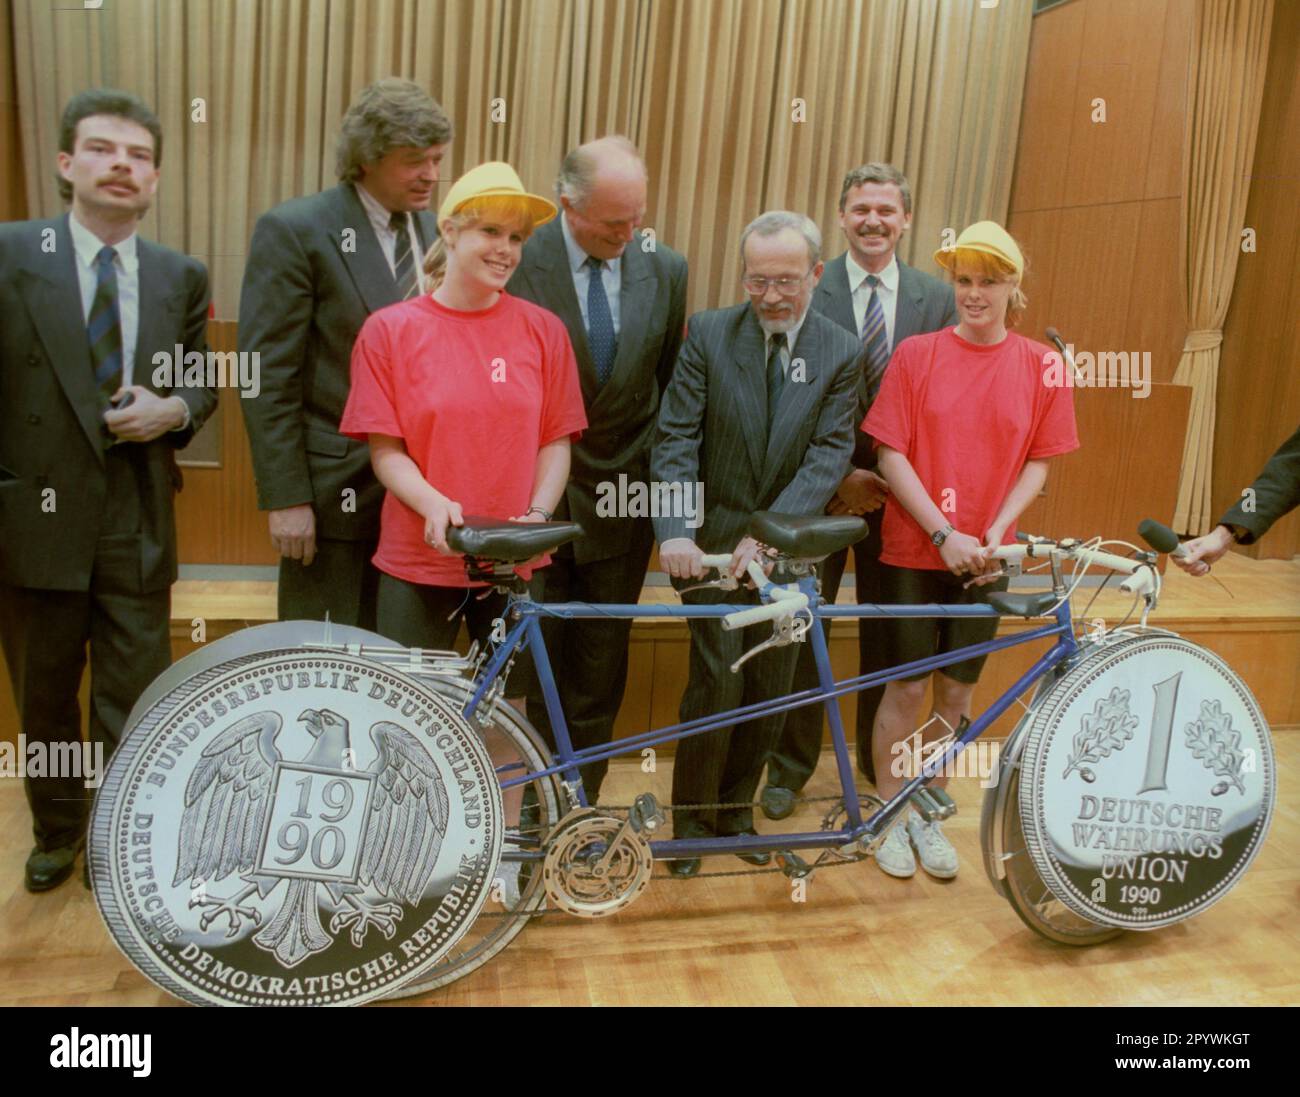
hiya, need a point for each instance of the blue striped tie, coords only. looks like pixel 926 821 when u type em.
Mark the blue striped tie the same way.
pixel 600 323
pixel 104 328
pixel 875 339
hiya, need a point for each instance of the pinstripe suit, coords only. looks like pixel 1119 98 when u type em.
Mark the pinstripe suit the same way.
pixel 713 429
pixel 924 304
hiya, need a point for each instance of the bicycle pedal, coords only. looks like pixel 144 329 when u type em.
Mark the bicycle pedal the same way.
pixel 933 804
pixel 794 866
pixel 645 815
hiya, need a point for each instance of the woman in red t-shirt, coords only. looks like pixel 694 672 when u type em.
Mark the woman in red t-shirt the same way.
pixel 469 398
pixel 965 422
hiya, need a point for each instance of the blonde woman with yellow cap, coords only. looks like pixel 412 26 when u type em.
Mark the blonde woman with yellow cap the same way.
pixel 469 398
pixel 964 424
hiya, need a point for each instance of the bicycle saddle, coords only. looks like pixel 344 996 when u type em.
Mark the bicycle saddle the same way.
pixel 1022 605
pixel 807 537
pixel 510 542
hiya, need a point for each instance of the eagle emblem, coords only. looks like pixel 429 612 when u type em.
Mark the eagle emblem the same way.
pixel 310 825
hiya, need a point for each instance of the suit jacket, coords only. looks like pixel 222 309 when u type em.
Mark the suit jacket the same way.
pixel 315 271
pixel 713 424
pixel 924 304
pixel 51 426
pixel 1277 490
pixel 621 413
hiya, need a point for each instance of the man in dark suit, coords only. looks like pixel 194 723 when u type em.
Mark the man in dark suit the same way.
pixel 87 452
pixel 622 295
pixel 870 292
pixel 317 267
pixel 1275 492
pixel 760 409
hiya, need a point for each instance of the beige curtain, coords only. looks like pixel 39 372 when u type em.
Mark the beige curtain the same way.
pixel 706 88
pixel 1225 85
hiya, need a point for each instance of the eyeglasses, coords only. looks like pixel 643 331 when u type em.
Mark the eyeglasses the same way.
pixel 787 287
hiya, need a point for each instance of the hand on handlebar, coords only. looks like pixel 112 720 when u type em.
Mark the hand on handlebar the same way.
pixel 963 555
pixel 681 558
pixel 748 550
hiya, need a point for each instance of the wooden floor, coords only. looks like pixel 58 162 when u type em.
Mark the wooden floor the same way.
pixel 860 938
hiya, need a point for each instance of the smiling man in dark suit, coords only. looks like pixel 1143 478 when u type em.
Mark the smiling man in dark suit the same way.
pixel 760 409
pixel 872 293
pixel 622 295
pixel 317 267
pixel 87 451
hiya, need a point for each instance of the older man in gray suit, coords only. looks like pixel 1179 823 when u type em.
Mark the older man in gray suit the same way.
pixel 760 409
pixel 622 295
pixel 872 293
pixel 317 267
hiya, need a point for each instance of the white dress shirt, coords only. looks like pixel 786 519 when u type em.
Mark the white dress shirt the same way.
pixel 127 267
pixel 379 216
pixel 886 291
pixel 611 275
pixel 788 354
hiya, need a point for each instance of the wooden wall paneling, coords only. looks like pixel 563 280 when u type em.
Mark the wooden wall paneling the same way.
pixel 1164 156
pixel 217 520
pixel 13 186
pixel 1157 306
pixel 1259 369
pixel 1107 159
pixel 1055 48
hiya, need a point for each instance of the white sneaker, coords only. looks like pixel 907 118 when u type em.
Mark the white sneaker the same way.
pixel 895 854
pixel 938 858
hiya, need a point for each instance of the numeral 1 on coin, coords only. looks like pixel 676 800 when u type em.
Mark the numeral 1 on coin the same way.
pixel 1162 730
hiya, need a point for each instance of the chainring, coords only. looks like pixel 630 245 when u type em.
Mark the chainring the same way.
pixel 572 873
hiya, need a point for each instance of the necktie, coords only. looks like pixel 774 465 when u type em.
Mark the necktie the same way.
pixel 600 324
pixel 403 257
pixel 775 376
pixel 104 328
pixel 875 339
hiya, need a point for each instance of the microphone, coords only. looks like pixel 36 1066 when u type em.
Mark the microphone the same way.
pixel 1059 343
pixel 1161 538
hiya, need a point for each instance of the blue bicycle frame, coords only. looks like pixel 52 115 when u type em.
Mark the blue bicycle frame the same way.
pixel 526 633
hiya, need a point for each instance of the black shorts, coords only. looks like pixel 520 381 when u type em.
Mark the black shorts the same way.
pixel 912 638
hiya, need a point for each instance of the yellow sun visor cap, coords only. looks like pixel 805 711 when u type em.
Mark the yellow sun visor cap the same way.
pixel 495 179
pixel 988 237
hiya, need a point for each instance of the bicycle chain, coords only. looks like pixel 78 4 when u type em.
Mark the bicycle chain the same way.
pixel 826 859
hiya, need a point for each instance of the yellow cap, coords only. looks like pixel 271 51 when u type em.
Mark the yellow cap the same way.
pixel 491 180
pixel 988 237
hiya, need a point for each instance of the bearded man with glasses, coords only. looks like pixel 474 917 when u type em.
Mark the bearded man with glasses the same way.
pixel 760 409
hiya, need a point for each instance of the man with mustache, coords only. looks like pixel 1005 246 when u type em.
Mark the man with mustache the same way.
pixel 871 292
pixel 317 267
pixel 760 409
pixel 87 452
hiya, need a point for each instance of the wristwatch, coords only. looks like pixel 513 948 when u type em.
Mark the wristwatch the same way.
pixel 546 514
pixel 939 536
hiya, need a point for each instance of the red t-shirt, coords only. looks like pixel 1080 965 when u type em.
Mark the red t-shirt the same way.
pixel 967 417
pixel 474 395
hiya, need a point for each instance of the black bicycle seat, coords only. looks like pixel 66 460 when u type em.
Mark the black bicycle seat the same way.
pixel 804 536
pixel 1022 605
pixel 509 542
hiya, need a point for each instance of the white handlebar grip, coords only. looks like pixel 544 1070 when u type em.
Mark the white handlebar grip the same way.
pixel 1140 582
pixel 744 617
pixel 722 561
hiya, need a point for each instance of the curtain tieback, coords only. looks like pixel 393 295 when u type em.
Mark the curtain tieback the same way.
pixel 1202 339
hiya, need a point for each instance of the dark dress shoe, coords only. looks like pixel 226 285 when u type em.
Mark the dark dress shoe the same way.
pixel 47 869
pixel 752 858
pixel 684 867
pixel 777 802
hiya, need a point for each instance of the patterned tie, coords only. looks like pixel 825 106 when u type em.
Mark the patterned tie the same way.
pixel 403 258
pixel 104 328
pixel 875 339
pixel 600 324
pixel 775 376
